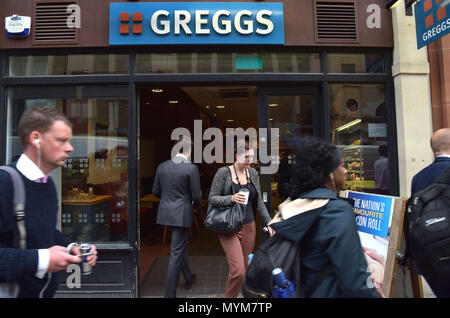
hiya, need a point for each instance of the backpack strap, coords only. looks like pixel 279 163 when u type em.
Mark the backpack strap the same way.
pixel 20 235
pixel 444 177
pixel 430 192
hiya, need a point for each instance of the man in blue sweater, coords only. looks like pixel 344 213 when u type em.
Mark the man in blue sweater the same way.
pixel 45 135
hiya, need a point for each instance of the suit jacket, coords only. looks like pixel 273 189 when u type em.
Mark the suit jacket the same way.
pixel 429 174
pixel 177 183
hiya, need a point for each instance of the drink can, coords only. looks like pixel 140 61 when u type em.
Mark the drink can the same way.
pixel 86 269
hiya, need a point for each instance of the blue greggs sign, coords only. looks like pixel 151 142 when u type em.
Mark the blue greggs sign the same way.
pixel 432 21
pixel 147 23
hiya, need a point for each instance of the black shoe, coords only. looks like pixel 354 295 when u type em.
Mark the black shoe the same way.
pixel 191 282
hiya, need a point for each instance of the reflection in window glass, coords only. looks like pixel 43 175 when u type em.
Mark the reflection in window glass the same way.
pixel 72 64
pixel 93 184
pixel 356 63
pixel 293 116
pixel 359 128
pixel 226 63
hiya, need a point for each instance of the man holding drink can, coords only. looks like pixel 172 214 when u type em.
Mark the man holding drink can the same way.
pixel 29 270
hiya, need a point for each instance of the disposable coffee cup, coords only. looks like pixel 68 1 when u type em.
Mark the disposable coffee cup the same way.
pixel 245 192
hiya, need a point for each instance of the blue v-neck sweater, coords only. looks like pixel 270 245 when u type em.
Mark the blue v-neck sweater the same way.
pixel 40 221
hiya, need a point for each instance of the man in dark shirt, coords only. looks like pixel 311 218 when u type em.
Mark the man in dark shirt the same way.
pixel 440 144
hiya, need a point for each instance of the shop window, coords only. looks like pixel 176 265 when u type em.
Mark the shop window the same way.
pixel 72 64
pixel 93 183
pixel 356 63
pixel 228 63
pixel 359 128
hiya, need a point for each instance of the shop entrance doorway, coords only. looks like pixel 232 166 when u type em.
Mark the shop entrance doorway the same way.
pixel 294 112
pixel 161 110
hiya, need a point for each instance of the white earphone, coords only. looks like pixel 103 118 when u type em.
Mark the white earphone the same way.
pixel 37 144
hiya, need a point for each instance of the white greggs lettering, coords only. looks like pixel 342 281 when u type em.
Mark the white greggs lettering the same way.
pixel 242 22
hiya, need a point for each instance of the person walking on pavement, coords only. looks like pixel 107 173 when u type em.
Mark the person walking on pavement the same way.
pixel 177 184
pixel 332 255
pixel 440 144
pixel 45 135
pixel 237 246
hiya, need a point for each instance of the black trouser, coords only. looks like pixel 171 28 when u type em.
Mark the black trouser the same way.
pixel 178 260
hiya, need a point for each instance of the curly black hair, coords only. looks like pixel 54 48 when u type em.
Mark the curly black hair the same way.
pixel 315 159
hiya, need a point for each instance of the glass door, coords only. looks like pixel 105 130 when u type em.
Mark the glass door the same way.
pixel 290 114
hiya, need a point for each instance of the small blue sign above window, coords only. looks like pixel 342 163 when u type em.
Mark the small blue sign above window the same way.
pixel 432 21
pixel 168 23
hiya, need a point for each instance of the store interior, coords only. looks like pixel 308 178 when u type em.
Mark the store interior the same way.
pixel 163 109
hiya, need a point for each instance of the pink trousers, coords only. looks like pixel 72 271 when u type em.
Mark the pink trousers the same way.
pixel 237 246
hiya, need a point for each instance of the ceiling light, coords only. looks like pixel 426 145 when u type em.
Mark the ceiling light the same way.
pixel 230 120
pixel 220 106
pixel 157 90
pixel 273 105
pixel 391 4
pixel 173 101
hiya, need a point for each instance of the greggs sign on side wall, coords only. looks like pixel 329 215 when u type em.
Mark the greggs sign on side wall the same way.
pixel 147 23
pixel 432 21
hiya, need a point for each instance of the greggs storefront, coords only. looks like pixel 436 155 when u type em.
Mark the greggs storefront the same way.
pixel 129 73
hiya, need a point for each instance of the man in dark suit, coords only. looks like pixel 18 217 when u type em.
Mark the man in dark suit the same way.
pixel 440 144
pixel 177 183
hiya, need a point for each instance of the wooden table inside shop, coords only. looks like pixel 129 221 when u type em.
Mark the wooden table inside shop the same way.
pixel 149 200
pixel 87 199
pixel 90 204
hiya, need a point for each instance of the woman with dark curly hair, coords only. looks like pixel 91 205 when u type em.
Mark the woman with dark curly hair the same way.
pixel 333 263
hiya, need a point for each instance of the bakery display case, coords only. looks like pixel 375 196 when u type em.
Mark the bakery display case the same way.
pixel 358 161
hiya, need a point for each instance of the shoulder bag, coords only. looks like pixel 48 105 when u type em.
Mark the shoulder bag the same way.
pixel 225 219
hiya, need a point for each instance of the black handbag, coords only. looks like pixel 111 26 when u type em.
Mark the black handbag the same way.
pixel 225 219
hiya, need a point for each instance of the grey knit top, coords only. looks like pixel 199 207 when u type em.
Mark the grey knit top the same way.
pixel 221 193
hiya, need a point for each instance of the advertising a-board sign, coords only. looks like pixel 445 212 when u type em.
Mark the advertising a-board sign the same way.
pixel 379 221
